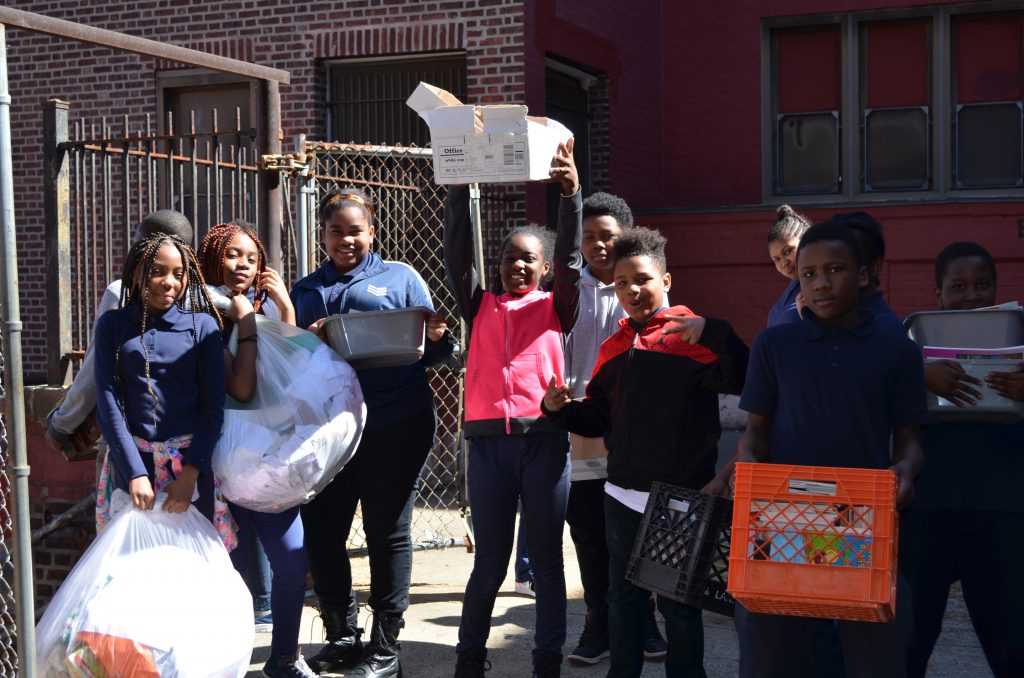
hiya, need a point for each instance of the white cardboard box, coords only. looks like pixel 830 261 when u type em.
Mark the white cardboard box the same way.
pixel 485 144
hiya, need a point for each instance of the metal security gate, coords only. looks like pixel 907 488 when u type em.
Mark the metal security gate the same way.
pixel 409 218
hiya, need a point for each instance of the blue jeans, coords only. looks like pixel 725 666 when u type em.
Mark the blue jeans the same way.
pixel 502 470
pixel 281 536
pixel 627 609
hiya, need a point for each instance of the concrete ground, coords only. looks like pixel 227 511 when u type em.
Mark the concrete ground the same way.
pixel 432 623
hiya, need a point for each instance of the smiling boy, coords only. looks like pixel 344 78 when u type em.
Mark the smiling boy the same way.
pixel 654 398
pixel 835 389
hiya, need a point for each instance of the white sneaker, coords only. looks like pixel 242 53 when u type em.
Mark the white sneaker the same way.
pixel 525 588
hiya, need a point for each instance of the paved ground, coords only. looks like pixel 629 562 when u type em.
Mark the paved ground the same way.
pixel 439 578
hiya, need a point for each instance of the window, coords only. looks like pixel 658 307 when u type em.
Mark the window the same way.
pixel 366 100
pixel 567 100
pixel 925 103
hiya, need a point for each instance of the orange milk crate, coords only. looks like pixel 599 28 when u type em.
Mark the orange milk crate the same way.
pixel 814 541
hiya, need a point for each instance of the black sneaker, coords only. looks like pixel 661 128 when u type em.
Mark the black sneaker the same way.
pixel 547 668
pixel 592 648
pixel 472 664
pixel 279 666
pixel 655 648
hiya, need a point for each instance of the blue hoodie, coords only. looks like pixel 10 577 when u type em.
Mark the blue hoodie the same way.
pixel 391 393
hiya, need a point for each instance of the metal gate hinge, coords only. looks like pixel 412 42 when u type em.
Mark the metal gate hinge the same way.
pixel 291 163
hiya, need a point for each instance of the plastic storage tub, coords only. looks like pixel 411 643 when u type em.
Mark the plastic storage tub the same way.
pixel 682 548
pixel 814 541
pixel 966 329
pixel 378 338
pixel 971 329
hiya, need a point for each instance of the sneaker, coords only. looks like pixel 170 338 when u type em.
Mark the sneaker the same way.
pixel 279 666
pixel 549 667
pixel 525 588
pixel 655 648
pixel 592 648
pixel 472 664
pixel 264 622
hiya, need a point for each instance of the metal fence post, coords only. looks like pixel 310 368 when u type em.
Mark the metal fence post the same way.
pixel 14 403
pixel 269 140
pixel 57 206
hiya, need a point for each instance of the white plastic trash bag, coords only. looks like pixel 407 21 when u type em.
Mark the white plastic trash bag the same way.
pixel 154 596
pixel 301 428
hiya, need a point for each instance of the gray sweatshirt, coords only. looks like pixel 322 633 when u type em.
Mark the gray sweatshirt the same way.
pixel 599 317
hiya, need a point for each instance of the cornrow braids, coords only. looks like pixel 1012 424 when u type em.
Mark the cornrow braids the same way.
pixel 211 256
pixel 138 267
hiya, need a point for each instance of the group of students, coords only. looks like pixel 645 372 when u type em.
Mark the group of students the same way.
pixel 833 381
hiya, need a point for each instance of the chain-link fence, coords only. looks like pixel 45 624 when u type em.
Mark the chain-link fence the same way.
pixel 8 634
pixel 409 213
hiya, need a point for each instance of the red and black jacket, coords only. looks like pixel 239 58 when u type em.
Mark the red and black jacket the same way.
pixel 654 398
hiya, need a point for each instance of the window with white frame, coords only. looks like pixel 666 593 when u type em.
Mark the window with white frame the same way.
pixel 924 102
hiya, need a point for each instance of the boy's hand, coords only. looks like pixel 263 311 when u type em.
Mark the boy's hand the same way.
pixel 690 328
pixel 1008 384
pixel 141 492
pixel 947 379
pixel 718 487
pixel 436 327
pixel 179 492
pixel 563 169
pixel 904 485
pixel 556 397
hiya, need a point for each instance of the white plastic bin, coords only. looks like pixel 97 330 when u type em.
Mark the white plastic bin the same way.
pixel 378 338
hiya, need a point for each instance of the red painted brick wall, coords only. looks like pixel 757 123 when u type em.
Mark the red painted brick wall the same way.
pixel 720 267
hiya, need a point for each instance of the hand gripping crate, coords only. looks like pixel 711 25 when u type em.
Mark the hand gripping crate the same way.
pixel 814 541
pixel 682 548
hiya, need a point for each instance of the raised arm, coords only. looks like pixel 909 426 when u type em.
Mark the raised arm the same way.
pixel 459 260
pixel 240 368
pixel 568 261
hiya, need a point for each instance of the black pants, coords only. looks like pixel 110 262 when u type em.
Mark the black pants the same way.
pixel 984 551
pixel 585 516
pixel 383 477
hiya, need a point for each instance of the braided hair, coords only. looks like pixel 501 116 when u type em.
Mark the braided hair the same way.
pixel 211 256
pixel 138 269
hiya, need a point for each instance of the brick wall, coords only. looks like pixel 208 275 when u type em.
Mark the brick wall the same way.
pixel 300 37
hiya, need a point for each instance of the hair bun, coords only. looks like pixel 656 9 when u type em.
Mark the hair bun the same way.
pixel 785 211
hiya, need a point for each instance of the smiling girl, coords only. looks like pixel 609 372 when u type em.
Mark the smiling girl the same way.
pixel 514 451
pixel 233 256
pixel 384 473
pixel 783 238
pixel 160 384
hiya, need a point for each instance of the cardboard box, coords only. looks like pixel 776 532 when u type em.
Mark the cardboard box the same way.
pixel 485 144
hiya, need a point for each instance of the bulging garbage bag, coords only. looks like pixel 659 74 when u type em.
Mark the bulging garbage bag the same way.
pixel 301 428
pixel 155 595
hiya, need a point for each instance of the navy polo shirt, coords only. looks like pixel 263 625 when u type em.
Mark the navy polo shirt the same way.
pixel 184 394
pixel 784 310
pixel 834 394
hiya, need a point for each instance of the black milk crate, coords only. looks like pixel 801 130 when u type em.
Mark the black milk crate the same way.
pixel 682 548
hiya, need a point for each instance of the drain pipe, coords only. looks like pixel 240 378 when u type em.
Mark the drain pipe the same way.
pixel 14 404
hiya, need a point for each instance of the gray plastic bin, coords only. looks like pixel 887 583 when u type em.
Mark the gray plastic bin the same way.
pixel 966 329
pixel 971 329
pixel 378 338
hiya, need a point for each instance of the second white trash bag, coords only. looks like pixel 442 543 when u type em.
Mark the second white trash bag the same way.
pixel 154 596
pixel 301 428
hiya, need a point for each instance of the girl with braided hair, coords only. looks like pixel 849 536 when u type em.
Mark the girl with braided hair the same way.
pixel 160 384
pixel 233 256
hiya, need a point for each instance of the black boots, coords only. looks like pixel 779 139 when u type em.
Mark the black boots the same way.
pixel 472 664
pixel 344 648
pixel 380 657
pixel 547 667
